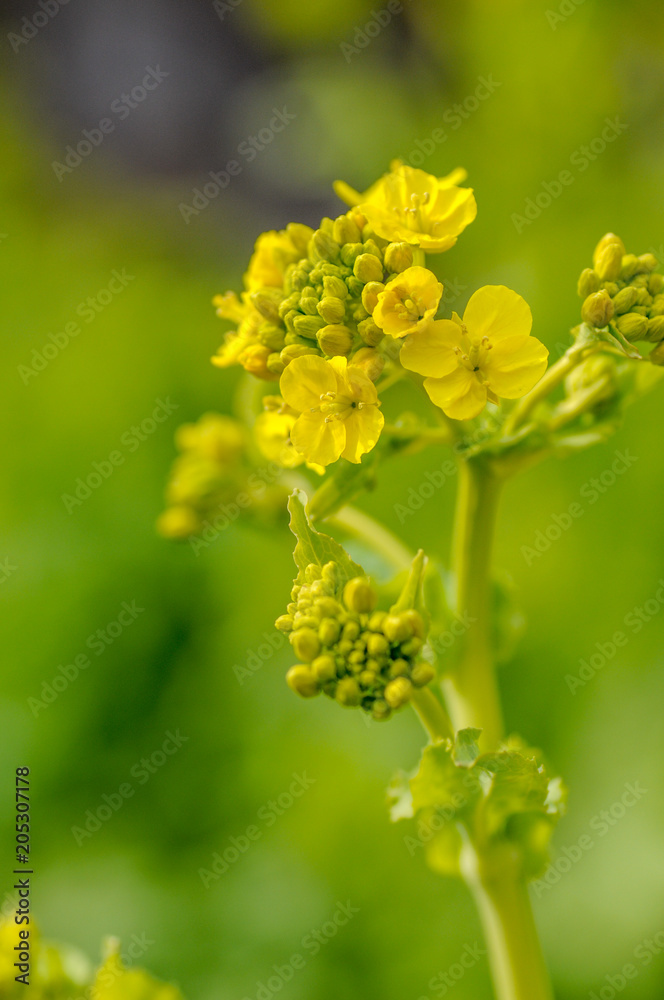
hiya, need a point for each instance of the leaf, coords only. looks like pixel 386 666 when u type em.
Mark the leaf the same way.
pixel 440 784
pixel 400 797
pixel 315 547
pixel 519 784
pixel 466 749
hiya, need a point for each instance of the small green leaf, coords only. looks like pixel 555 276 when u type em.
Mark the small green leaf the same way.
pixel 411 592
pixel 439 783
pixel 466 749
pixel 315 547
pixel 519 785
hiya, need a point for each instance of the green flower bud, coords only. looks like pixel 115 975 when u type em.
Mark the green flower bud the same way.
pixel 351 631
pixel 324 668
pixel 295 351
pixel 335 287
pixel 370 333
pixel 284 623
pixel 632 326
pixel 289 303
pixel 271 336
pixel 370 294
pixel 597 309
pixel 655 283
pixel 397 628
pixel 322 246
pixel 314 572
pixel 370 246
pixel 368 267
pixel 380 710
pixel 332 309
pixel 330 573
pixel 299 235
pixel 657 354
pixel 335 339
pixel 306 643
pixel 348 692
pixel 355 286
pixel 630 266
pixel 607 240
pixel 657 307
pixel 359 595
pixel 625 299
pixel 308 326
pixel 368 678
pixel 415 621
pixel 357 657
pixel 608 263
pixel 422 674
pixel 612 287
pixel 346 230
pixel 302 680
pixel 655 329
pixel 399 668
pixel 411 647
pixel 647 263
pixel 267 301
pixel 377 644
pixel 309 303
pixel 398 692
pixel 328 607
pixel 350 252
pixel 376 621
pixel 398 257
pixel 588 283
pixel 328 631
pixel 274 364
pixel 370 361
pixel 344 648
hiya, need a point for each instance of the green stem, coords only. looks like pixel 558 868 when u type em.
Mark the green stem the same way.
pixel 362 526
pixel 549 381
pixel 432 715
pixel 471 691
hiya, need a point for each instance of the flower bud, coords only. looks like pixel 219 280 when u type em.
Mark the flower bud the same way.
pixel 370 246
pixel 398 257
pixel 588 282
pixel 275 364
pixel 397 628
pixel 591 371
pixel 370 294
pixel 414 619
pixel 302 680
pixel 370 361
pixel 324 668
pixel 597 309
pixel 422 674
pixel 370 332
pixel 336 287
pixel 284 623
pixel 350 252
pixel 254 360
pixel 359 596
pixel 612 287
pixel 367 268
pixel 377 644
pixel 348 692
pixel 399 668
pixel 328 631
pixel 630 266
pixel 647 263
pixel 295 351
pixel 299 236
pixel 625 299
pixel 267 301
pixel 380 710
pixel 657 354
pixel 308 326
pixel 398 692
pixel 608 262
pixel 335 339
pixel 177 522
pixel 655 283
pixel 271 335
pixel 608 239
pixel 323 246
pixel 331 309
pixel 632 325
pixel 657 307
pixel 306 643
pixel 655 329
pixel 346 230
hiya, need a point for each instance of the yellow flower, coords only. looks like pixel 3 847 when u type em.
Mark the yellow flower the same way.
pixel 408 303
pixel 487 355
pixel 272 431
pixel 273 252
pixel 338 409
pixel 410 206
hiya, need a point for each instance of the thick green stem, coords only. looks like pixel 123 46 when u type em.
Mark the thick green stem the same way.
pixel 515 956
pixel 432 715
pixel 363 527
pixel 471 691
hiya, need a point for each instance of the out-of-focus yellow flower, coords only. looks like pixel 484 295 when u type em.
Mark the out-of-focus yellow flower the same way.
pixel 488 354
pixel 273 252
pixel 213 436
pixel 408 205
pixel 408 303
pixel 115 982
pixel 272 431
pixel 338 409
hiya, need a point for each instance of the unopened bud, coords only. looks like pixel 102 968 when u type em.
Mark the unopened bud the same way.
pixel 271 335
pixel 655 329
pixel 422 674
pixel 267 301
pixel 370 294
pixel 350 252
pixel 397 628
pixel 370 332
pixel 647 263
pixel 306 643
pixel 323 246
pixel 398 257
pixel 331 309
pixel 625 299
pixel 275 364
pixel 630 266
pixel 328 631
pixel 284 623
pixel 295 351
pixel 308 326
pixel 632 325
pixel 609 239
pixel 299 236
pixel 377 644
pixel 324 668
pixel 657 354
pixel 346 230
pixel 367 268
pixel 370 361
pixel 597 309
pixel 335 339
pixel 609 262
pixel 348 692
pixel 398 692
pixel 302 680
pixel 359 595
pixel 588 282
pixel 655 283
pixel 254 360
pixel 336 287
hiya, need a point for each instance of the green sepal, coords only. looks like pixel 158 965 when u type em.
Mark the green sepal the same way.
pixel 313 547
pixel 411 591
pixel 466 747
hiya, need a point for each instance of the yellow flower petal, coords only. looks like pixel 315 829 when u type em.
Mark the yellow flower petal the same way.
pixel 496 312
pixel 320 441
pixel 360 385
pixel 417 286
pixel 458 208
pixel 431 351
pixel 515 365
pixel 272 432
pixel 460 395
pixel 362 432
pixel 305 380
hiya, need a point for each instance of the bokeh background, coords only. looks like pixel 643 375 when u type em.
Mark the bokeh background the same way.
pixel 557 74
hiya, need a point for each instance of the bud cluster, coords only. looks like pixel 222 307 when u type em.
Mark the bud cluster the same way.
pixel 347 649
pixel 624 290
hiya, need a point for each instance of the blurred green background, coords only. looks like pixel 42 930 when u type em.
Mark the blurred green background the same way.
pixel 556 75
